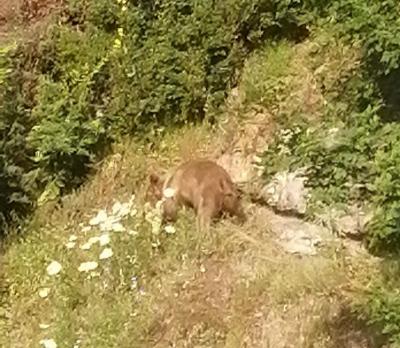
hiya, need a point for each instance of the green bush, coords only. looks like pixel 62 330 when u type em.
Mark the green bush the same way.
pixel 352 154
pixel 348 160
pixel 16 185
pixel 379 305
pixel 375 23
pixel 384 230
pixel 179 62
pixel 69 130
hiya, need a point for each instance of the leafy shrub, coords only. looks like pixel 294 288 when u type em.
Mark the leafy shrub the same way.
pixel 69 130
pixel 195 52
pixel 338 160
pixel 375 24
pixel 16 188
pixel 264 80
pixel 380 304
pixel 348 160
pixel 351 154
pixel 384 229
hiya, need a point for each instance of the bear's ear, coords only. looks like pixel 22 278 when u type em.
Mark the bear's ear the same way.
pixel 226 188
pixel 154 179
pixel 156 184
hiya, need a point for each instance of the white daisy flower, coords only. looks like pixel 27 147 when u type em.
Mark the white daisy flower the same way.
pixel 99 218
pixel 70 245
pixel 48 343
pixel 53 268
pixel 93 240
pixel 89 243
pixel 86 246
pixel 86 229
pixel 44 292
pixel 106 254
pixel 116 208
pixel 169 229
pixel 156 226
pixel 125 210
pixel 87 266
pixel 121 209
pixel 106 226
pixel 118 227
pixel 104 239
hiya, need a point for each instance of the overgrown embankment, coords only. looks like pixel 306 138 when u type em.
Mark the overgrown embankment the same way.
pixel 102 71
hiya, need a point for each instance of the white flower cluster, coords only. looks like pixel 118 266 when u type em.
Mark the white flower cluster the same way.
pixel 99 231
pixel 104 223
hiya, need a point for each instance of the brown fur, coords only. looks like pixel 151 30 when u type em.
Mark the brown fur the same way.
pixel 154 191
pixel 202 185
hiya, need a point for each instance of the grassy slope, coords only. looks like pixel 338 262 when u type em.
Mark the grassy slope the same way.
pixel 232 288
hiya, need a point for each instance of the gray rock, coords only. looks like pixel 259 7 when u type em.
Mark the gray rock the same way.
pixel 296 236
pixel 350 223
pixel 287 192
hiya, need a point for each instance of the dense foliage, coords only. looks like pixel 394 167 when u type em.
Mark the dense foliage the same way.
pixel 104 69
pixel 15 157
pixel 353 154
pixel 379 305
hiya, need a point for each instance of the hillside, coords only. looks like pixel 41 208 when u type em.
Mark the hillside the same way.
pixel 236 287
pixel 106 93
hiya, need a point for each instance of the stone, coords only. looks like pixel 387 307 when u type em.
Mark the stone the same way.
pixel 294 235
pixel 287 192
pixel 350 223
